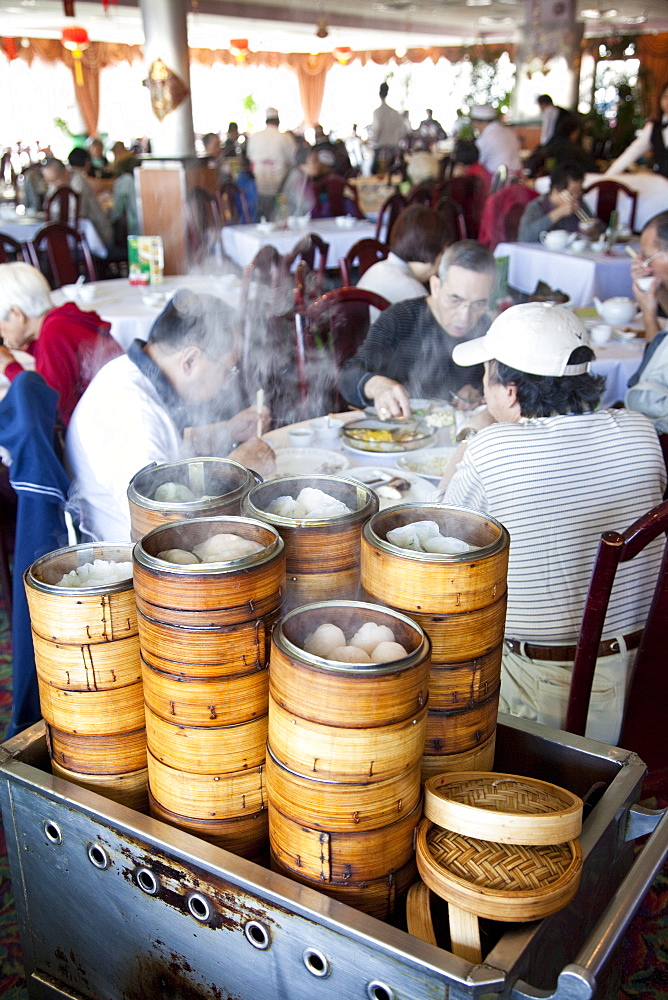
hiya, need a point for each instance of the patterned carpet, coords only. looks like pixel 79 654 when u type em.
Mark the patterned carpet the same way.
pixel 645 946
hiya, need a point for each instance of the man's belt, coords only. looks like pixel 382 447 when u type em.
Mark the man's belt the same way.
pixel 606 648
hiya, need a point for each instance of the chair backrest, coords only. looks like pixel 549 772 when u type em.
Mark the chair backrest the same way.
pixel 233 204
pixel 469 193
pixel 364 254
pixel 389 212
pixel 647 702
pixel 204 223
pixel 494 224
pixel 309 280
pixel 607 194
pixel 454 214
pixel 62 206
pixel 327 333
pixel 341 197
pixel 11 250
pixel 62 254
pixel 426 194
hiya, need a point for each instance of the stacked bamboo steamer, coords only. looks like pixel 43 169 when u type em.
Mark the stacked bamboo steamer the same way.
pixel 322 556
pixel 218 486
pixel 494 845
pixel 460 602
pixel 344 758
pixel 204 633
pixel 89 674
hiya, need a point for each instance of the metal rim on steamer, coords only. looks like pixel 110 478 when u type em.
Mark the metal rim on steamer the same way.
pixel 334 666
pixel 143 500
pixel 85 552
pixel 359 513
pixel 483 552
pixel 148 561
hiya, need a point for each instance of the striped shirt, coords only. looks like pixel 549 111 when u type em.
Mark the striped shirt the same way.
pixel 556 483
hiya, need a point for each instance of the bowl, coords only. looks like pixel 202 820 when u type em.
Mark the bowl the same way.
pixel 344 221
pixel 430 463
pixel 385 436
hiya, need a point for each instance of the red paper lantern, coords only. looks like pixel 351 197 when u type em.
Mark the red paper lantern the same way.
pixel 239 48
pixel 342 54
pixel 75 39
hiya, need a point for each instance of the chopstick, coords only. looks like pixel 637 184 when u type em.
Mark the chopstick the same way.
pixel 259 403
pixel 631 252
pixel 579 212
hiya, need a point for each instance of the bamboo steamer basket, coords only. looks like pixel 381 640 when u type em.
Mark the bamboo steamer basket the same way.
pixel 207 796
pixel 377 897
pixel 243 835
pixel 321 691
pixel 461 730
pixel 345 855
pixel 480 758
pixel 459 638
pixel 507 882
pixel 80 616
pixel 338 806
pixel 100 755
pixel 206 701
pixel 100 666
pixel 506 808
pixel 207 596
pixel 322 556
pixel 457 685
pixel 220 482
pixel 130 789
pixel 93 713
pixel 209 750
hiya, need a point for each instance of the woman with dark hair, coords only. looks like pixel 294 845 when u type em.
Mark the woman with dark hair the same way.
pixel 419 237
pixel 652 137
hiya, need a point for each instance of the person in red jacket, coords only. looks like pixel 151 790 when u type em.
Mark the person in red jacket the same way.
pixel 69 345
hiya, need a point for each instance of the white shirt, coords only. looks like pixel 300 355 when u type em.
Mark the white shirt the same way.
pixel 119 426
pixel 388 127
pixel 392 279
pixel 640 145
pixel 498 145
pixel 548 118
pixel 272 154
pixel 556 483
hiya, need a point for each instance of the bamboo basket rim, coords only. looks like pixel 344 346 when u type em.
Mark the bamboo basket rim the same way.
pixel 159 506
pixel 30 579
pixel 483 552
pixel 362 491
pixel 280 639
pixel 559 821
pixel 150 562
pixel 497 904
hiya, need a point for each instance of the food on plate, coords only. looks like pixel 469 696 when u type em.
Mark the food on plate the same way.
pixel 224 547
pixel 371 643
pixel 309 504
pixel 545 293
pixel 425 536
pixel 182 557
pixel 99 573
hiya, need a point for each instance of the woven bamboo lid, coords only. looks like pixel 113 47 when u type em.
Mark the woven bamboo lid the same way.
pixel 505 808
pixel 509 882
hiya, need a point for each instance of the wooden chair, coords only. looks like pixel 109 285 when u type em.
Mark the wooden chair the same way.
pixel 607 194
pixel 234 207
pixel 62 206
pixel 362 255
pixel 454 214
pixel 62 254
pixel 340 195
pixel 499 222
pixel 390 210
pixel 426 194
pixel 646 707
pixel 310 278
pixel 10 249
pixel 327 333
pixel 203 222
pixel 469 194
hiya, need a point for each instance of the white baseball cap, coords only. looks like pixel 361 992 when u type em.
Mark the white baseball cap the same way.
pixel 536 337
pixel 482 113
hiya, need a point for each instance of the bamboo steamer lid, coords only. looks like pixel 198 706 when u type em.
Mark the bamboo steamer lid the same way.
pixel 354 696
pixel 478 758
pixel 244 835
pixel 506 808
pixel 219 483
pixel 432 583
pixel 130 789
pixel 507 882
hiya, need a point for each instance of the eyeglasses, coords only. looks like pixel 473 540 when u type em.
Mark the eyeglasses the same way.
pixel 646 261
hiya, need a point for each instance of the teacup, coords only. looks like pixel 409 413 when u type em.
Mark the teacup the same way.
pixel 600 334
pixel 327 428
pixel 645 283
pixel 86 293
pixel 300 437
pixel 554 239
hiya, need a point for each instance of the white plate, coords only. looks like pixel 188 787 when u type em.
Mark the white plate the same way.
pixel 309 462
pixel 429 463
pixel 421 489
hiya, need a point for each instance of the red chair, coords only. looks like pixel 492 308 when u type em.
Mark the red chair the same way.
pixel 454 214
pixel 310 278
pixel 646 707
pixel 62 206
pixel 607 194
pixel 203 223
pixel 390 211
pixel 327 333
pixel 501 213
pixel 469 193
pixel 233 204
pixel 62 254
pixel 11 249
pixel 363 254
pixel 341 197
pixel 426 194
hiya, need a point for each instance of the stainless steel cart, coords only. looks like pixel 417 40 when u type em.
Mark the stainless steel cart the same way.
pixel 113 905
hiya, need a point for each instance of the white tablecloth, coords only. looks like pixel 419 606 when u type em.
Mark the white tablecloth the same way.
pixel 581 276
pixel 122 305
pixel 241 243
pixel 26 228
pixel 652 194
pixel 618 361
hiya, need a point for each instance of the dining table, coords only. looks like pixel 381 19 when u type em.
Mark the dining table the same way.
pixel 580 275
pixel 242 242
pixel 25 227
pixel 651 188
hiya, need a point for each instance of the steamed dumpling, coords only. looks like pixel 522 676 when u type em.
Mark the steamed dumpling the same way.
pixel 173 493
pixel 446 545
pixel 348 654
pixel 385 652
pixel 370 634
pixel 318 504
pixel 179 556
pixel 224 547
pixel 411 536
pixel 283 507
pixel 325 638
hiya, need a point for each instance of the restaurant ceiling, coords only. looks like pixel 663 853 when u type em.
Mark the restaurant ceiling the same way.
pixel 277 25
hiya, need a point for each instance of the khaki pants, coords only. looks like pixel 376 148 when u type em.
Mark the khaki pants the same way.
pixel 538 690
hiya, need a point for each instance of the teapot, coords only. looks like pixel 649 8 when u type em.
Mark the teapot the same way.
pixel 617 310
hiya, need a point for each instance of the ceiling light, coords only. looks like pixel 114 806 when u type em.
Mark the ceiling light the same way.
pixel 478 3
pixel 590 15
pixel 610 13
pixel 634 19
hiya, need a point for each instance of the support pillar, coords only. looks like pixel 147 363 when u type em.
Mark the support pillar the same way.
pixel 550 30
pixel 166 38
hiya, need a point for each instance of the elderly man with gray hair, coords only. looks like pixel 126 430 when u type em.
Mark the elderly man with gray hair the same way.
pixel 408 350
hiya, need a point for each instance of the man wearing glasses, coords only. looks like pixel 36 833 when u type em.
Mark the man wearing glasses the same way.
pixel 408 350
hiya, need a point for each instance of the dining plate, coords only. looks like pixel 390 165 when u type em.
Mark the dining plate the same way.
pixel 421 490
pixel 309 462
pixel 386 436
pixel 429 463
pixel 433 412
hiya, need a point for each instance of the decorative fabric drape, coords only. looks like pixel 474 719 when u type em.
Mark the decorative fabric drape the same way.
pixel 652 51
pixel 311 76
